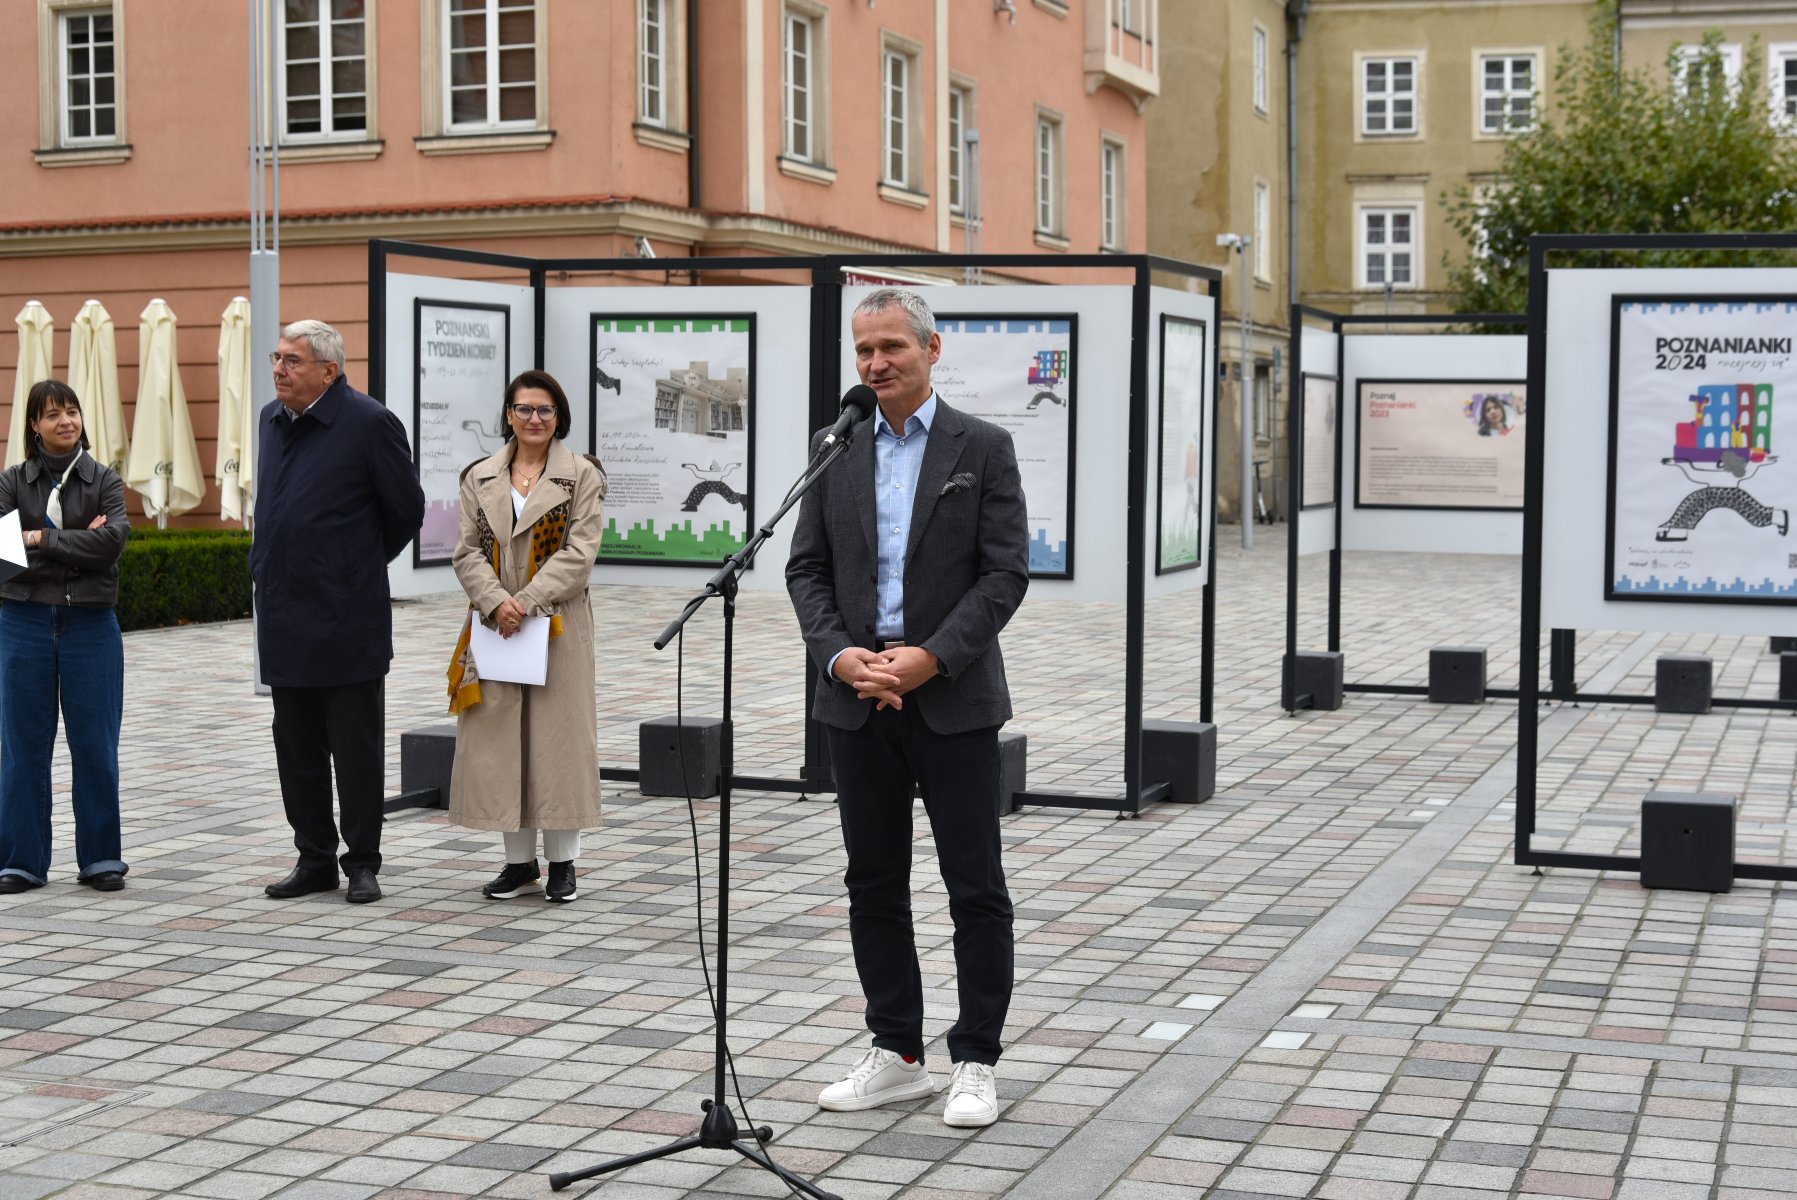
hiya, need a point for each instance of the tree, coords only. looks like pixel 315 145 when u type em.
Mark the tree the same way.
pixel 1674 149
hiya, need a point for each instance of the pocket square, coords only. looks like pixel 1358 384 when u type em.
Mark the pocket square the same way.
pixel 958 483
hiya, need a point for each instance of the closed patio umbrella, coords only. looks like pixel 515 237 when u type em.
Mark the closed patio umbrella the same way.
pixel 235 469
pixel 94 374
pixel 35 328
pixel 164 464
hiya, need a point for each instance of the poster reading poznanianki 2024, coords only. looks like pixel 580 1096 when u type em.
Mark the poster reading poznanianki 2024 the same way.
pixel 673 401
pixel 1703 419
pixel 1017 372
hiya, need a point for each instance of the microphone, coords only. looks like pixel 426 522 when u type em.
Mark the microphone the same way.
pixel 857 405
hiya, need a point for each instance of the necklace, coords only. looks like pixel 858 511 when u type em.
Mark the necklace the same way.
pixel 526 480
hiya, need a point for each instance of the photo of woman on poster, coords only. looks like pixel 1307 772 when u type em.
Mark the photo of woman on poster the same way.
pixel 1493 421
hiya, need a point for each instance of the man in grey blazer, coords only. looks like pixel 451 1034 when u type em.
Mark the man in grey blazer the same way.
pixel 909 556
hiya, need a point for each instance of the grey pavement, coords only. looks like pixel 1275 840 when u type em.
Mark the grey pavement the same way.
pixel 1327 980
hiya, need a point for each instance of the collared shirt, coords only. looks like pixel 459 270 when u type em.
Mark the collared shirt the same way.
pixel 294 416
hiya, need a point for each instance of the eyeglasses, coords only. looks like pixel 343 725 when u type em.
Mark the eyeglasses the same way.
pixel 291 361
pixel 525 412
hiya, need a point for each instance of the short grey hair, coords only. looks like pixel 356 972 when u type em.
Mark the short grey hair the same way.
pixel 325 343
pixel 917 311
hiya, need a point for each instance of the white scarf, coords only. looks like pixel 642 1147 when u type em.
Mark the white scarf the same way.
pixel 53 508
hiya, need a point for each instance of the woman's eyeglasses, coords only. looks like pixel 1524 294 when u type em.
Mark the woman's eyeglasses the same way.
pixel 525 412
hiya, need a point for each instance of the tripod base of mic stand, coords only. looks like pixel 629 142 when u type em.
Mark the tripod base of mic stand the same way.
pixel 717 1132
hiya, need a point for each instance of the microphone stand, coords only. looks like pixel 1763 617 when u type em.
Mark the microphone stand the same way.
pixel 718 1130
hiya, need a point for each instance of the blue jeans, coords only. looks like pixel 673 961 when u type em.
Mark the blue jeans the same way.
pixel 50 652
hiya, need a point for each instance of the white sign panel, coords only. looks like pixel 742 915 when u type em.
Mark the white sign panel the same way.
pixel 464 364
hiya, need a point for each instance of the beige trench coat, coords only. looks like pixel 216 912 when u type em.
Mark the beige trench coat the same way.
pixel 528 757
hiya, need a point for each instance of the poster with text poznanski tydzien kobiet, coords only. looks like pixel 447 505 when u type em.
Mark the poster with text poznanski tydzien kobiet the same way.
pixel 1703 421
pixel 1440 443
pixel 462 352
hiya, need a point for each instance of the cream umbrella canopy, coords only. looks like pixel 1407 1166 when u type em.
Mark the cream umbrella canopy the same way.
pixel 35 329
pixel 94 374
pixel 235 469
pixel 164 465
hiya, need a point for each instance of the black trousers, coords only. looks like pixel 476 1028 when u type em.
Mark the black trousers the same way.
pixel 877 768
pixel 314 729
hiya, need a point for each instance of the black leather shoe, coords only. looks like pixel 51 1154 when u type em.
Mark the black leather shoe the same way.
pixel 364 888
pixel 561 883
pixel 9 884
pixel 515 880
pixel 104 881
pixel 303 881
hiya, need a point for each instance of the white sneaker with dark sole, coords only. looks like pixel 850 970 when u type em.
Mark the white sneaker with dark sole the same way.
pixel 880 1077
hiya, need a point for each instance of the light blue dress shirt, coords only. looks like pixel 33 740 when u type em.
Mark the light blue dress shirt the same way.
pixel 898 459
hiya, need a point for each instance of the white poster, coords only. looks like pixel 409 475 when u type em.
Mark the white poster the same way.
pixel 464 363
pixel 1017 372
pixel 1183 374
pixel 1703 399
pixel 1320 422
pixel 673 399
pixel 1440 443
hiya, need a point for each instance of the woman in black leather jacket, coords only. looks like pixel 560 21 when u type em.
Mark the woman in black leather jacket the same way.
pixel 59 642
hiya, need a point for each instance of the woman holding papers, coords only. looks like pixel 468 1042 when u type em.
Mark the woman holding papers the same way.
pixel 59 641
pixel 526 755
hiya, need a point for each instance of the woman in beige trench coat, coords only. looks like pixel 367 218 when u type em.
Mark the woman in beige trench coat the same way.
pixel 526 757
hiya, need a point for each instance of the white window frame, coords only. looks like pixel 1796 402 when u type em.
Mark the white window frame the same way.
pixel 1784 106
pixel 1050 173
pixel 65 108
pixel 1481 55
pixel 961 118
pixel 652 61
pixel 1261 48
pixel 814 19
pixel 896 150
pixel 1366 98
pixel 1364 214
pixel 1263 231
pixel 1113 193
pixel 327 91
pixel 492 49
pixel 1731 64
pixel 1263 399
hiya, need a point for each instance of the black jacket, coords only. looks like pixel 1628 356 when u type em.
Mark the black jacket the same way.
pixel 75 565
pixel 337 499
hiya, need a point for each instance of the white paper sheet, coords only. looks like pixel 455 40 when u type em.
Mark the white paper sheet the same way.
pixel 521 658
pixel 12 546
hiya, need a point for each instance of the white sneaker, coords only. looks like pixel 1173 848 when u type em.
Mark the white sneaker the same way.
pixel 879 1078
pixel 972 1097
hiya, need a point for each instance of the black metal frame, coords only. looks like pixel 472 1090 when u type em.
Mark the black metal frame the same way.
pixel 825 272
pixel 1288 699
pixel 1564 686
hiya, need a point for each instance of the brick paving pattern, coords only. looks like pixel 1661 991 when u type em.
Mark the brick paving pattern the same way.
pixel 1325 981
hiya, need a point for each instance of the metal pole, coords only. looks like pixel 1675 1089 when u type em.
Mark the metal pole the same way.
pixel 1247 397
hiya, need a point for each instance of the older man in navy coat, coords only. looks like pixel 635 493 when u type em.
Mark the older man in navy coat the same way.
pixel 337 499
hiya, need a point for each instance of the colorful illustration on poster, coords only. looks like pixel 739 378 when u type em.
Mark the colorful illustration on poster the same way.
pixel 1700 497
pixel 1320 419
pixel 673 401
pixel 463 364
pixel 1184 370
pixel 1018 372
pixel 1438 443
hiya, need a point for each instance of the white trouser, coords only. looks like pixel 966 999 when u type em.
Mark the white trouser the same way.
pixel 559 845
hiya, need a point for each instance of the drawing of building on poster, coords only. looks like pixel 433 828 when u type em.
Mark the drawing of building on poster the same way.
pixel 673 400
pixel 1700 499
pixel 1183 374
pixel 463 365
pixel 1018 373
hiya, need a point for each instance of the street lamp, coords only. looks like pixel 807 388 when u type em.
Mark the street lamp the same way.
pixel 1239 242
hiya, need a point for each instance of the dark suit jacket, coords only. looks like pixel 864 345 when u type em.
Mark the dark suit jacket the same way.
pixel 966 569
pixel 337 499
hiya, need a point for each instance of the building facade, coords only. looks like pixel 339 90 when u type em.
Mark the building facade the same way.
pixel 602 128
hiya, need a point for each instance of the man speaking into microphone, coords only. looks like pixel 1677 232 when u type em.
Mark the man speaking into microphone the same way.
pixel 908 558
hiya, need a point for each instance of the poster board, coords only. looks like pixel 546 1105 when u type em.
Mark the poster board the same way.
pixel 1322 416
pixel 1440 443
pixel 463 352
pixel 1703 400
pixel 1184 368
pixel 671 401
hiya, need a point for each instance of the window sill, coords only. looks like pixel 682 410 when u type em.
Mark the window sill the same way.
pixel 1405 136
pixel 904 196
pixel 661 138
pixel 811 172
pixel 84 156
pixel 499 142
pixel 1051 241
pixel 1054 7
pixel 308 152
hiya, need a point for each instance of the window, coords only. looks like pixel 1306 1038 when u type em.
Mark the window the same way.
pixel 324 69
pixel 1506 93
pixel 1048 174
pixel 89 79
pixel 960 120
pixel 895 116
pixel 1112 191
pixel 1388 96
pixel 491 52
pixel 1263 231
pixel 1263 400
pixel 652 64
pixel 1260 69
pixel 1388 247
pixel 1782 74
pixel 1725 70
pixel 799 84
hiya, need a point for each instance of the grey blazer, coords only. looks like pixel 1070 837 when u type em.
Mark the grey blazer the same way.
pixel 966 569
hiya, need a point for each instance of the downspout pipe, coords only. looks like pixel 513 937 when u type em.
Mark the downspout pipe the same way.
pixel 692 104
pixel 1295 11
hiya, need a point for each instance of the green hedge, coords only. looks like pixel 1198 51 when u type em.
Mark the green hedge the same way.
pixel 183 576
